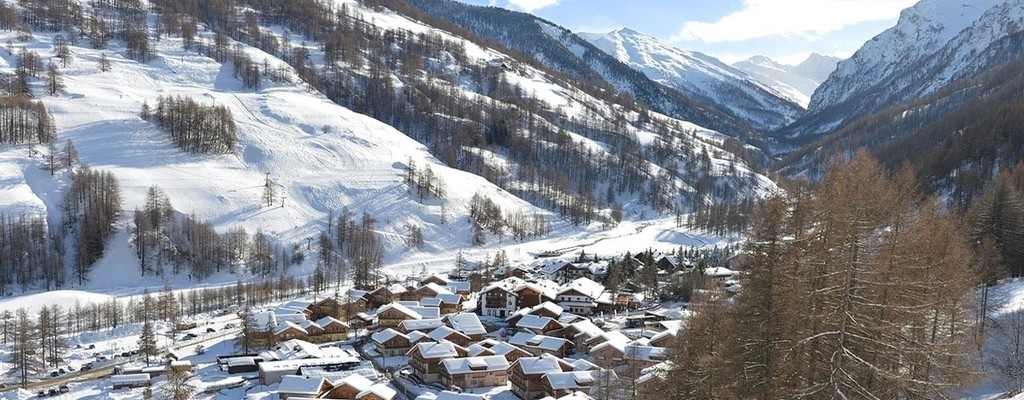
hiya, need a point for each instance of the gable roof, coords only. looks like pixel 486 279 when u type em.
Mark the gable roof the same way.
pixel 543 342
pixel 386 335
pixel 355 381
pixel 467 323
pixel 585 287
pixel 545 363
pixel 444 332
pixel 570 380
pixel 400 308
pixel 421 324
pixel 301 385
pixel 329 320
pixel 379 389
pixel 443 349
pixel 530 321
pixel 467 365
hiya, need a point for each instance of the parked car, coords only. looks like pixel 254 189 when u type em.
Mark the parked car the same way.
pixel 54 374
pixel 126 354
pixel 210 330
pixel 53 392
pixel 42 393
pixel 63 389
pixel 229 326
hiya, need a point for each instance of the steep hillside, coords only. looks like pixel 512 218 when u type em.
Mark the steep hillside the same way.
pixel 700 76
pixel 933 44
pixel 795 82
pixel 442 142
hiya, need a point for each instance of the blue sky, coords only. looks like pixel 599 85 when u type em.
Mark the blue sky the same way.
pixel 785 30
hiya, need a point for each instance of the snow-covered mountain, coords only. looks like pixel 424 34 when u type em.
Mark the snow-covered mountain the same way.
pixel 700 75
pixel 934 43
pixel 795 82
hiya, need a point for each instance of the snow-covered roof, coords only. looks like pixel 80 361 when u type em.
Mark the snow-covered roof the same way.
pixel 467 323
pixel 296 349
pixel 543 342
pixel 437 350
pixel 458 286
pixel 357 294
pixel 328 320
pixel 452 298
pixel 554 267
pixel 443 332
pixel 300 385
pixel 381 390
pixel 584 286
pixel 571 396
pixel 263 319
pixel 594 268
pixel 440 277
pixel 426 312
pixel 719 272
pixel 583 365
pixel 508 284
pixel 664 334
pixel 571 380
pixel 385 335
pixel 355 381
pixel 285 325
pixel 129 378
pixel 397 288
pixel 181 364
pixel 466 365
pixel 416 336
pixel 398 306
pixel 644 353
pixel 237 361
pixel 449 395
pixel 545 363
pixel 421 324
pixel 430 302
pixel 587 328
pixel 668 313
pixel 435 288
pixel 534 322
pixel 310 325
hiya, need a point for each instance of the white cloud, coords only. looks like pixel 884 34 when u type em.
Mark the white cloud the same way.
pixel 810 19
pixel 532 5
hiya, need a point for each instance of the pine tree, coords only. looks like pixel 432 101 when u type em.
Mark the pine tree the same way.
pixel 104 62
pixel 54 80
pixel 269 192
pixel 147 341
pixel 25 348
pixel 178 386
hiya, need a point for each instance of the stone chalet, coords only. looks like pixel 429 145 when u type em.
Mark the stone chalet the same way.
pixel 473 372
